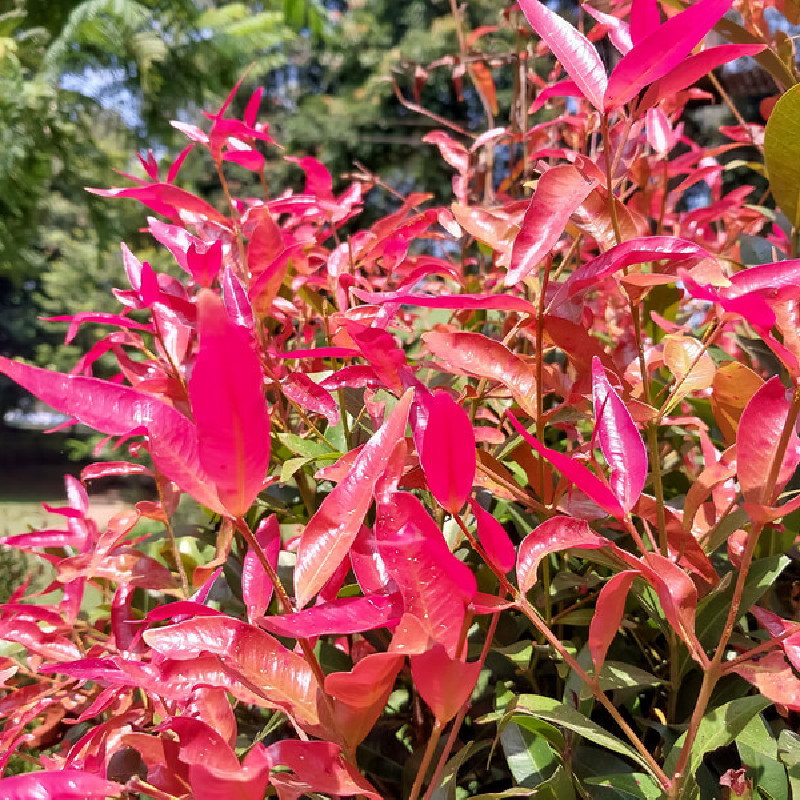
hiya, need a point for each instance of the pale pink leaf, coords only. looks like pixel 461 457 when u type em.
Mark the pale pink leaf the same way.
pixel 573 50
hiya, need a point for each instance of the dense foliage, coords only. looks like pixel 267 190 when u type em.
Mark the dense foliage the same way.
pixel 487 499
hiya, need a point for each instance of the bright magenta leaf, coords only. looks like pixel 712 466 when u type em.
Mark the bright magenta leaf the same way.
pixel 693 68
pixel 226 390
pixel 444 683
pixel 120 410
pixel 574 51
pixel 620 440
pixel 661 51
pixel 757 437
pixel 558 193
pixel 341 616
pixel 645 19
pixel 448 452
pixel 553 535
pixel 332 530
pixel 256 586
pixel 608 616
pixel 584 479
pixel 309 394
pixel 493 537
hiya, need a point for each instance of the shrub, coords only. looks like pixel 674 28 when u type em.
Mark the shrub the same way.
pixel 573 551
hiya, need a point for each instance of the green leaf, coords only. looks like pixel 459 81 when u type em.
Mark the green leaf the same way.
pixel 782 154
pixel 291 465
pixel 561 714
pixel 628 786
pixel 712 611
pixel 309 448
pixel 617 675
pixel 717 729
pixel 446 790
pixel 759 752
pixel 528 755
pixel 789 754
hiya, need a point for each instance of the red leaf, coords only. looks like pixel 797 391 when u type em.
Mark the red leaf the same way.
pixel 620 441
pixel 676 593
pixel 281 676
pixel 586 481
pixel 266 241
pixel 483 357
pixel 558 193
pixel 608 615
pixel 331 531
pixel 553 535
pixel 321 767
pixel 661 51
pixel 256 586
pixel 65 784
pixel 499 302
pixel 448 452
pixel 757 438
pixel 572 49
pixel 435 585
pixel 444 683
pixel 309 394
pixel 484 83
pixel 558 89
pixel 774 678
pixel 453 152
pixel 120 410
pixel 230 409
pixel 498 547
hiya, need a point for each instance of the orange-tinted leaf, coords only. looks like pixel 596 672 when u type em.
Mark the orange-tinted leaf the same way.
pixel 733 386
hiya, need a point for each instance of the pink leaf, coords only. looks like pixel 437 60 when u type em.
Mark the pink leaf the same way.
pixel 573 50
pixel 119 410
pixel 774 678
pixel 558 193
pixel 620 440
pixel 553 535
pixel 256 586
pixel 498 547
pixel 332 530
pixel 608 616
pixel 661 51
pixel 167 200
pixel 435 585
pixel 229 407
pixel 559 89
pixel 66 784
pixel 445 683
pixel 204 262
pixel 309 394
pixel 586 481
pixel 757 437
pixel 266 242
pixel 448 452
pixel 618 30
pixel 342 616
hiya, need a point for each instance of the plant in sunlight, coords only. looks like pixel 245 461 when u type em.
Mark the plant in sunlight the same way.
pixel 482 499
